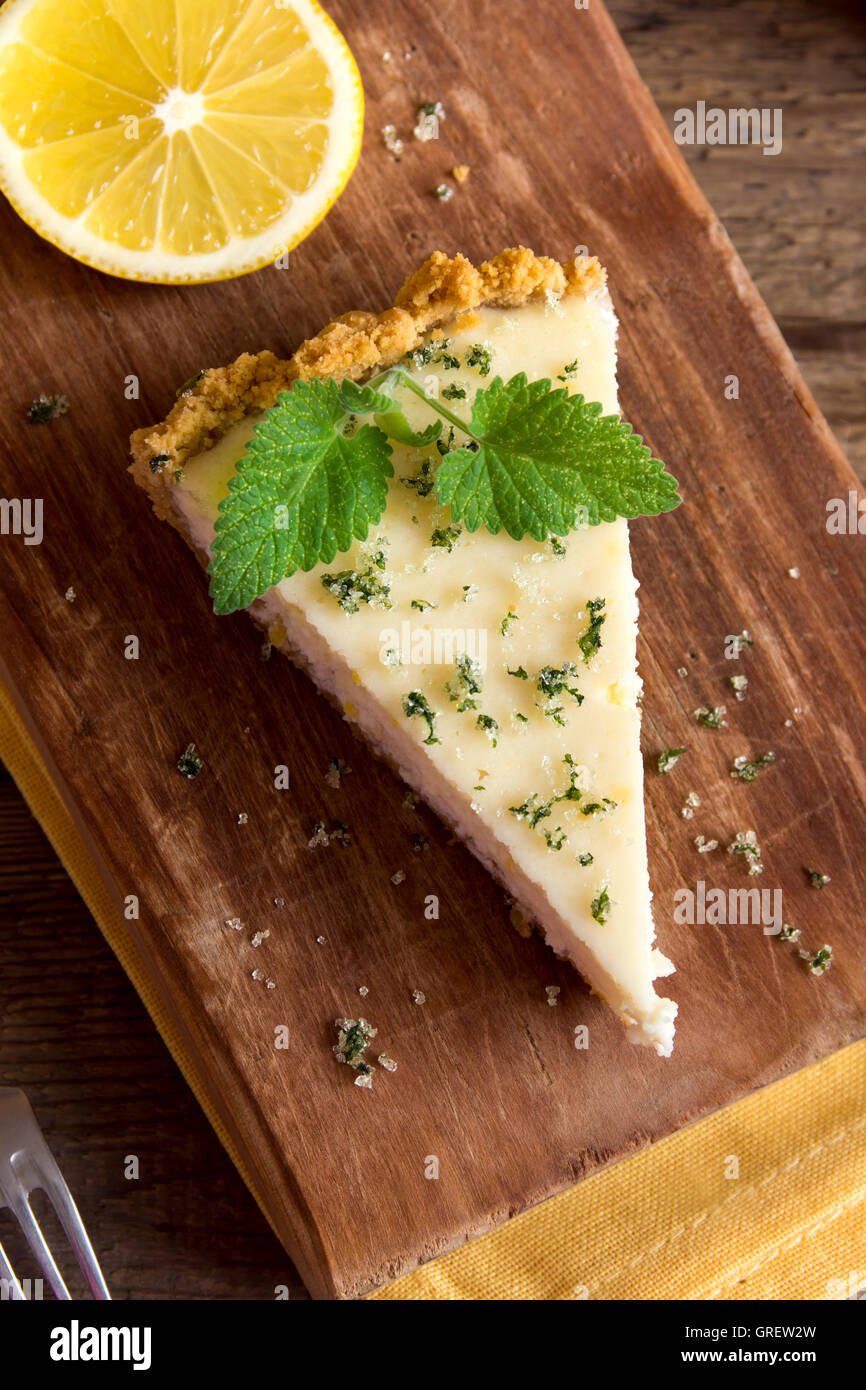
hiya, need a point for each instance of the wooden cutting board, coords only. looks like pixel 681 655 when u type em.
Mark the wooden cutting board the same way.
pixel 565 148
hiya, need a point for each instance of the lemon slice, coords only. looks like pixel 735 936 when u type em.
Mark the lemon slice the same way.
pixel 175 140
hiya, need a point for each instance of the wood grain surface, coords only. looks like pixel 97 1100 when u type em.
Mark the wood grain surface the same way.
pixel 590 162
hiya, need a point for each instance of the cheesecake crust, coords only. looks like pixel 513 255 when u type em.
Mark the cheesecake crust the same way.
pixel 354 345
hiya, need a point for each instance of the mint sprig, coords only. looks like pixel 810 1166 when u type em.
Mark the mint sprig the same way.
pixel 536 461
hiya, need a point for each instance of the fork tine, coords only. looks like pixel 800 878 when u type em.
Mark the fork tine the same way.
pixel 20 1207
pixel 63 1202
pixel 27 1163
pixel 7 1273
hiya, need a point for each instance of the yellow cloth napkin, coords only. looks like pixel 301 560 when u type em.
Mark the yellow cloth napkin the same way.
pixel 763 1200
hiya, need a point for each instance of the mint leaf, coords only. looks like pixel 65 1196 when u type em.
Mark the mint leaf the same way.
pixel 541 460
pixel 370 400
pixel 394 424
pixel 362 400
pixel 389 418
pixel 302 493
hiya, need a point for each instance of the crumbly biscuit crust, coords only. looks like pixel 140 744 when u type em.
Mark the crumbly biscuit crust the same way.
pixel 354 345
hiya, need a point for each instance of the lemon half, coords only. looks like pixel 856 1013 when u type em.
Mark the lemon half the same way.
pixel 175 140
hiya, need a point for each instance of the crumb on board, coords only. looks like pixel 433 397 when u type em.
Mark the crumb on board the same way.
pixel 817 879
pixel 340 835
pixel 45 408
pixel 746 844
pixel 392 142
pixel 711 718
pixel 337 769
pixel 519 920
pixel 428 116
pixel 705 846
pixel 354 1036
pixel 668 759
pixel 190 763
pixel 818 962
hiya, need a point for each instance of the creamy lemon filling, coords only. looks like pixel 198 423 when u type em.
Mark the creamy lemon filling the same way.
pixel 428 632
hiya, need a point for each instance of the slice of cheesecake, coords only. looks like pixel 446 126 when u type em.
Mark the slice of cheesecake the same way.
pixel 497 677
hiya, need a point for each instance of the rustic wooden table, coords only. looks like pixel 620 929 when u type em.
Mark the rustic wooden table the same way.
pixel 72 1031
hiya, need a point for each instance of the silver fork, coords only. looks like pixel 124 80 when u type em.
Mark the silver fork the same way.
pixel 26 1163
